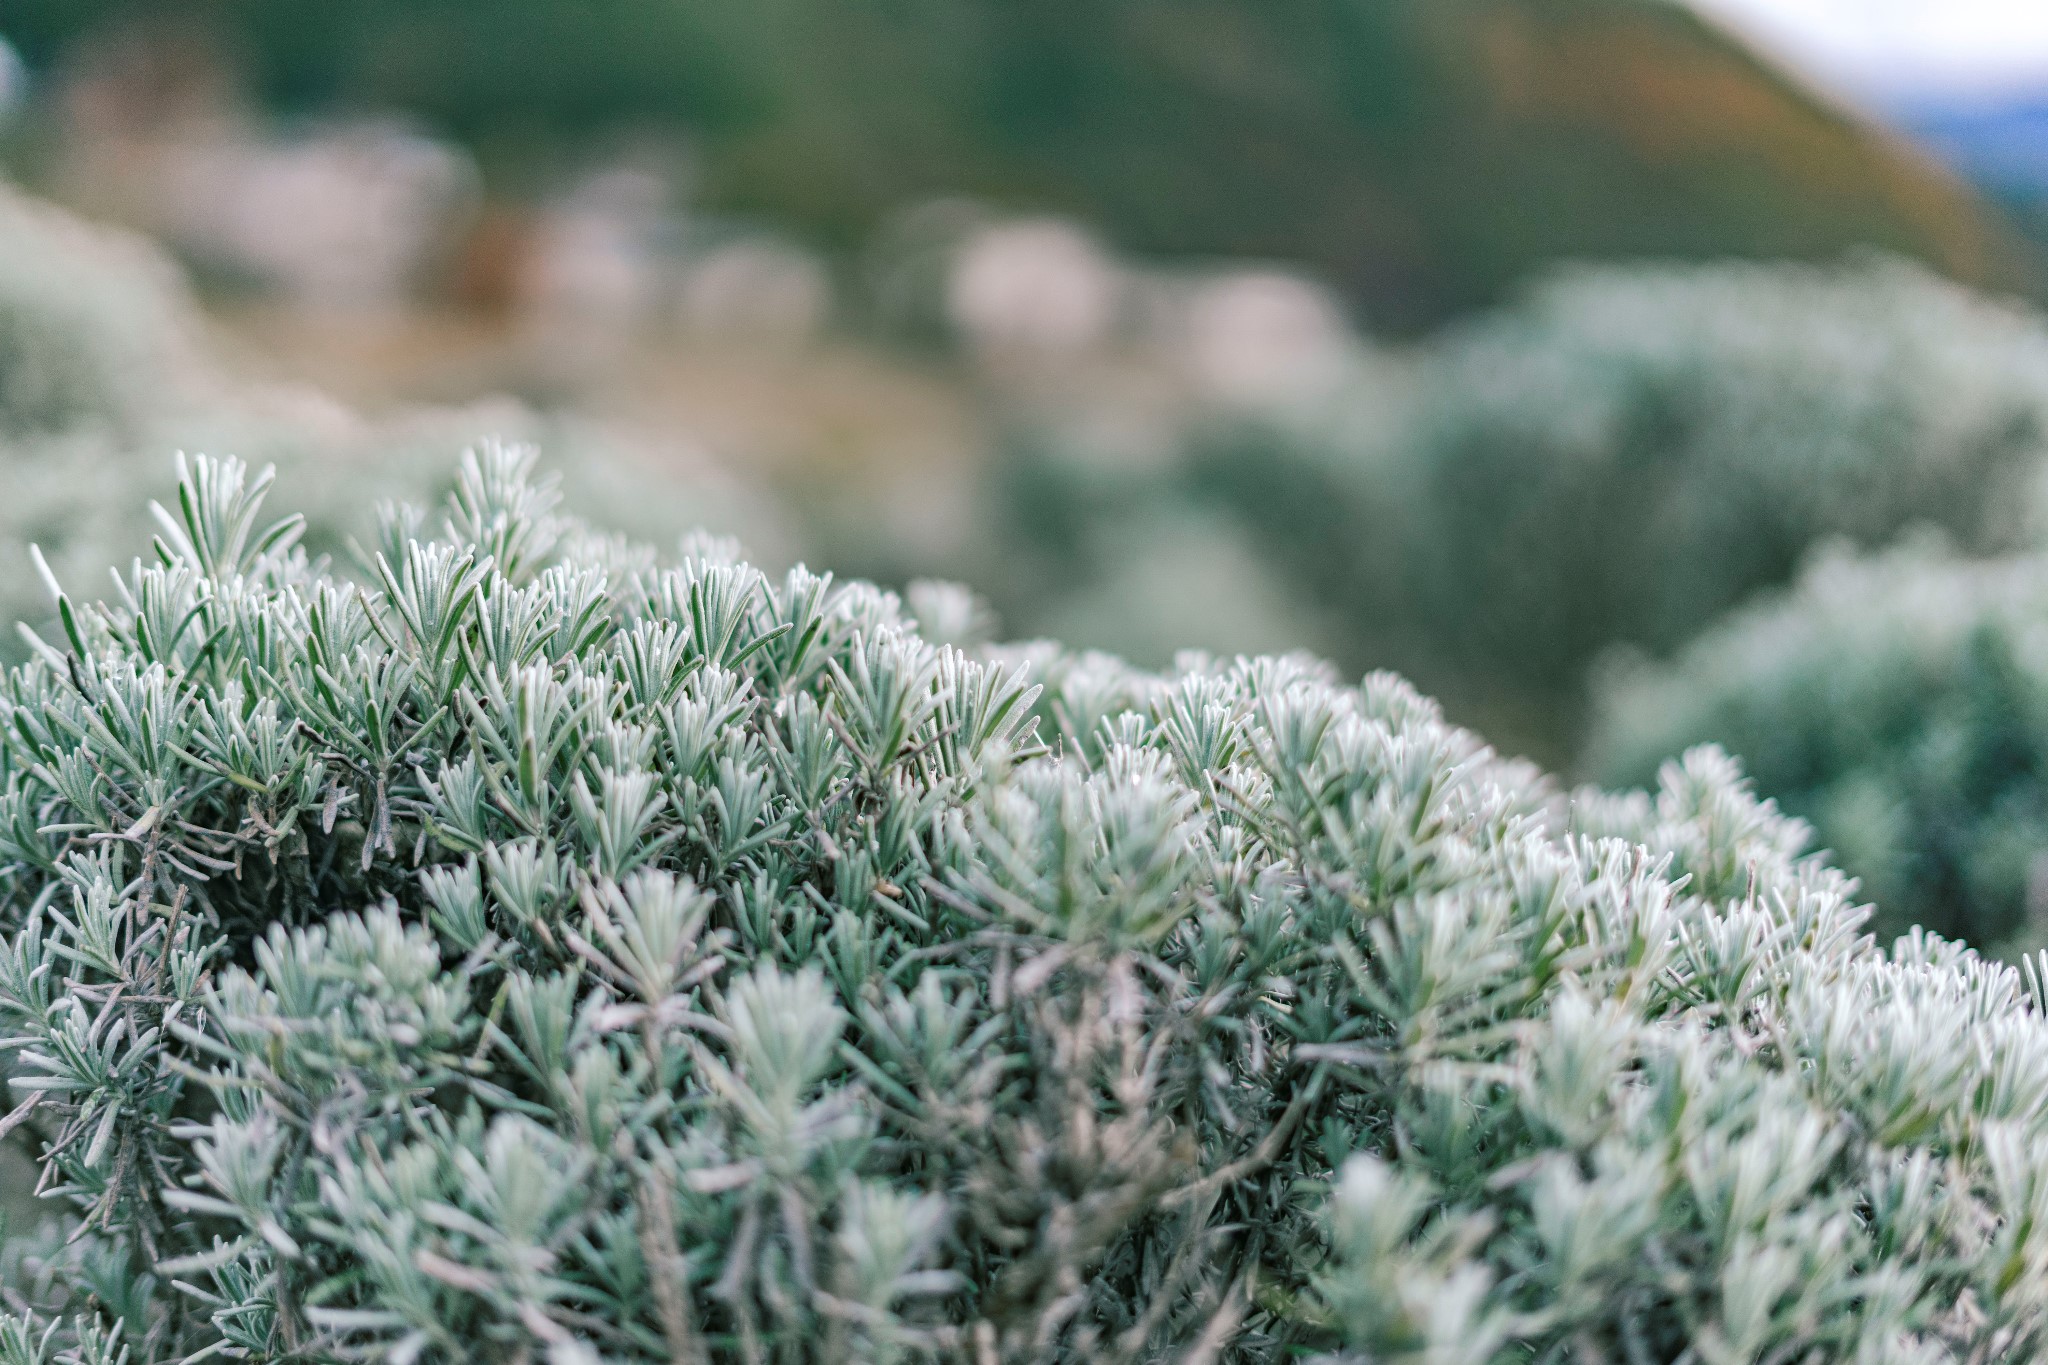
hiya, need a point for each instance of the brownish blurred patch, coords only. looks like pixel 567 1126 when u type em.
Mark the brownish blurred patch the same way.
pixel 1688 106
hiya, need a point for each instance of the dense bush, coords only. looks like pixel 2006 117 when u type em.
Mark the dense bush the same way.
pixel 1621 457
pixel 1900 703
pixel 542 948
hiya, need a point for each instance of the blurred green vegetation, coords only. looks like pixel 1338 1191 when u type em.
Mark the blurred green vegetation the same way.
pixel 105 369
pixel 1899 703
pixel 1423 154
pixel 1615 460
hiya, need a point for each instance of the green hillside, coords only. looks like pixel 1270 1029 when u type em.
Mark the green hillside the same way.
pixel 1425 154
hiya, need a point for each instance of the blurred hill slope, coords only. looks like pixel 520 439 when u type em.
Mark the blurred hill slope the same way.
pixel 1423 154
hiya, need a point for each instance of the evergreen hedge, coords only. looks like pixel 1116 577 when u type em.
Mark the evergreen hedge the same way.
pixel 543 949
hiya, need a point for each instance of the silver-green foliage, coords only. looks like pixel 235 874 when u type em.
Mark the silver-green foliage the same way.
pixel 1899 703
pixel 545 950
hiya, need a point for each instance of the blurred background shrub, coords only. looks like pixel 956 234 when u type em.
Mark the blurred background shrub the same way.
pixel 1423 157
pixel 1899 703
pixel 106 363
pixel 1619 457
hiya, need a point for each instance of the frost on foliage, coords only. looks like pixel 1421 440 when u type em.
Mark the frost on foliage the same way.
pixel 1900 703
pixel 538 949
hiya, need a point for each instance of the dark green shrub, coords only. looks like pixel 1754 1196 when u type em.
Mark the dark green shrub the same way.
pixel 547 950
pixel 1900 703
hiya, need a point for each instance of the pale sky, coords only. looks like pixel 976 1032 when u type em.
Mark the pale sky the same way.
pixel 1901 47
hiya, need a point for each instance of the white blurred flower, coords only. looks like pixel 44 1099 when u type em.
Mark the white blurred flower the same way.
pixel 595 270
pixel 343 219
pixel 1263 336
pixel 1038 285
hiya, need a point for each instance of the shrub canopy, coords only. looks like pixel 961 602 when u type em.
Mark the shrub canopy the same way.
pixel 1630 452
pixel 545 947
